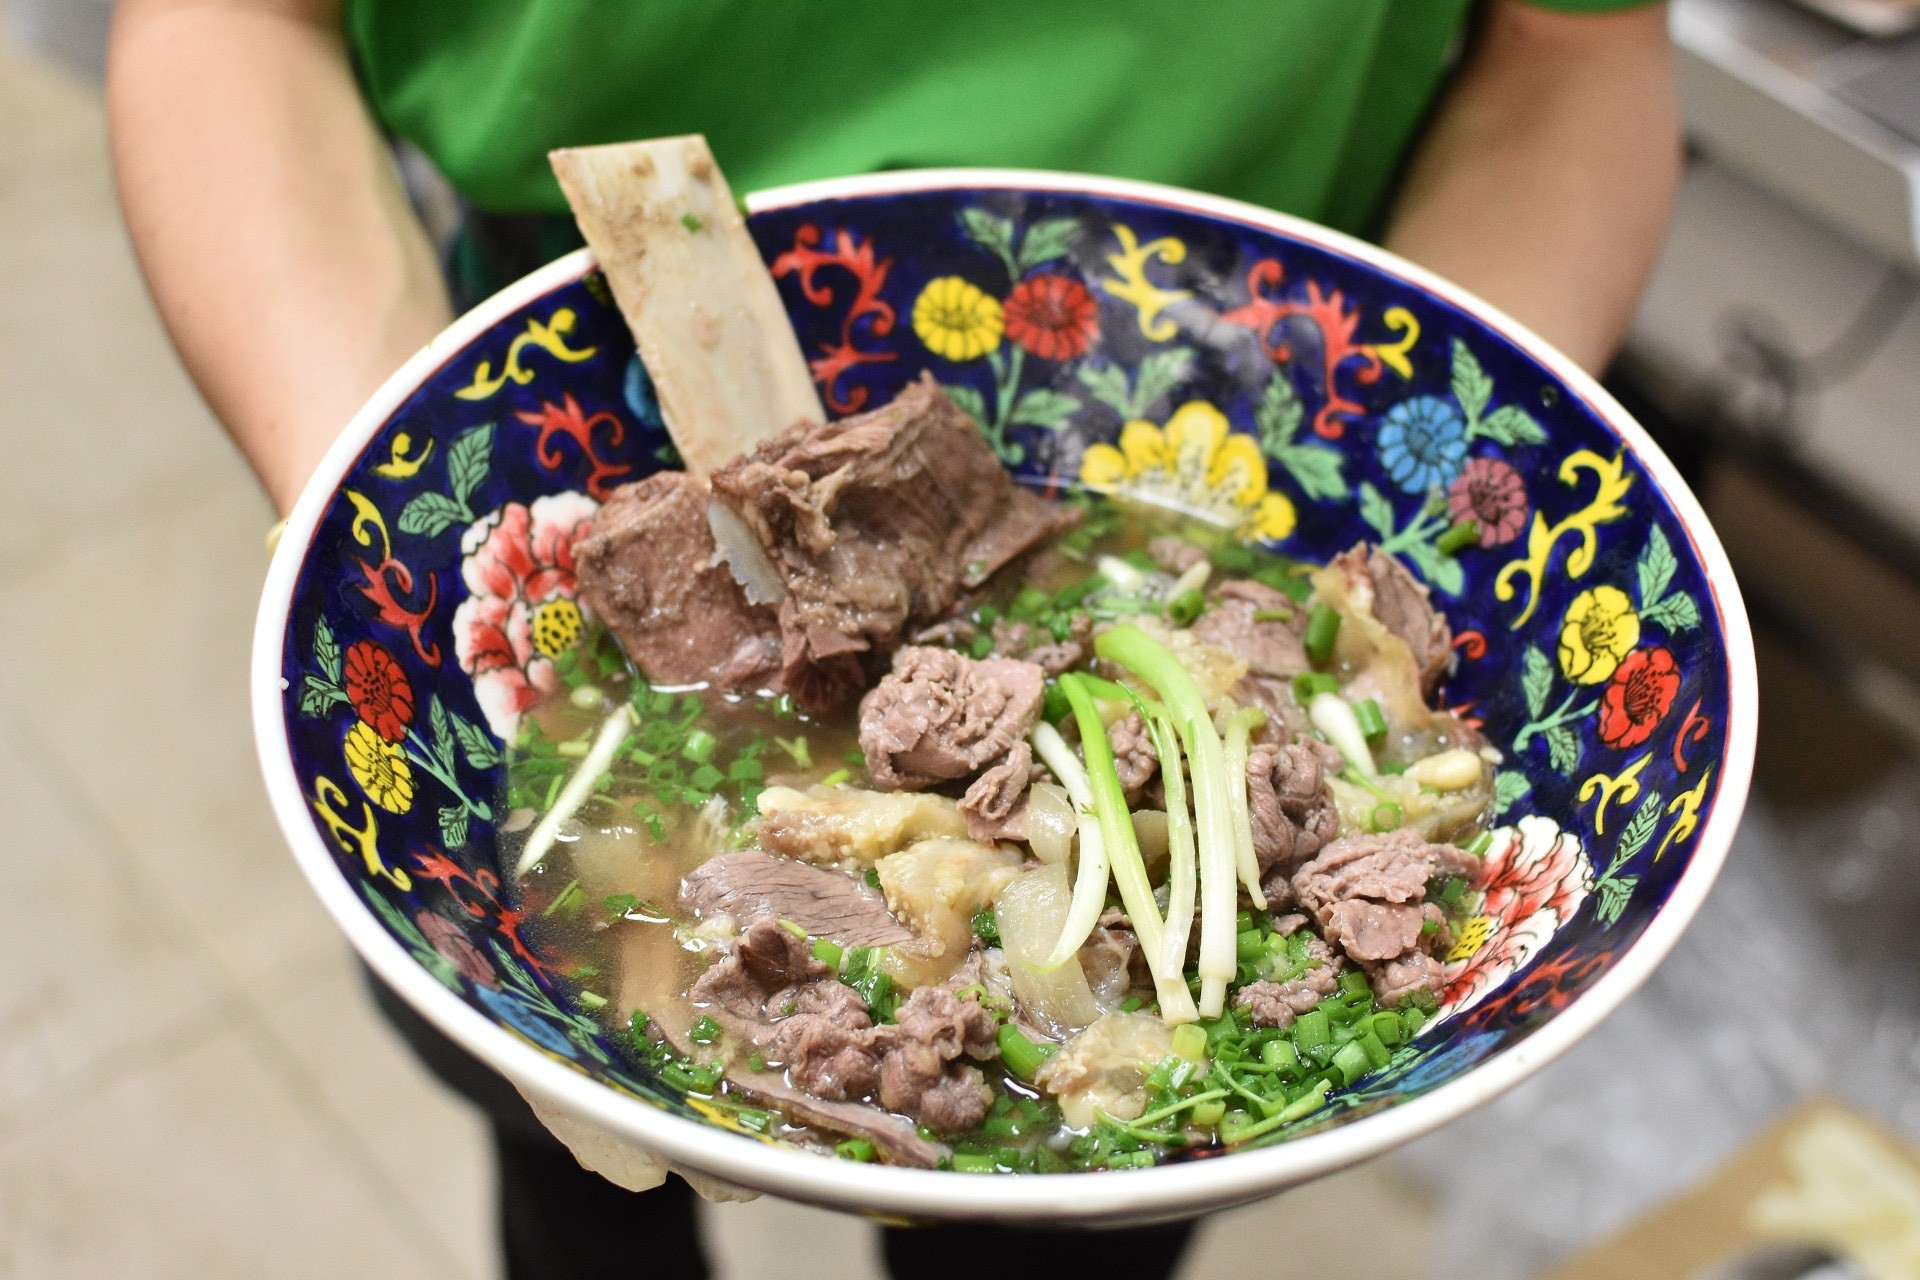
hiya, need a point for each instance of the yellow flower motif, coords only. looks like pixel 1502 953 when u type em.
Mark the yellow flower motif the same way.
pixel 380 767
pixel 1600 630
pixel 1194 463
pixel 956 320
pixel 1473 935
pixel 557 625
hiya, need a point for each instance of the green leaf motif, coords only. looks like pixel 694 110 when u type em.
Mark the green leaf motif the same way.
pixel 1159 374
pixel 1511 425
pixel 1615 893
pixel 1639 829
pixel 442 734
pixel 1046 241
pixel 1509 786
pixel 326 650
pixel 994 234
pixel 468 462
pixel 1442 572
pixel 431 514
pixel 1280 412
pixel 474 743
pixel 1654 571
pixel 968 399
pixel 1376 510
pixel 1536 681
pixel 317 696
pixel 1316 470
pixel 1043 407
pixel 1676 613
pixel 453 826
pixel 1471 385
pixel 1563 748
pixel 1107 383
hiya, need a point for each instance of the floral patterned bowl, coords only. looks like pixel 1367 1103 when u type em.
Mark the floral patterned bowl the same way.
pixel 1306 389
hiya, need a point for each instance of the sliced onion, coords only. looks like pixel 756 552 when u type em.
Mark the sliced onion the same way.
pixel 1051 823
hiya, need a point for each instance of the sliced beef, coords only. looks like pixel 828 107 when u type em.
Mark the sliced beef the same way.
pixel 1401 604
pixel 1134 758
pixel 1273 648
pixel 1175 555
pixel 1368 894
pixel 877 522
pixel 923 1075
pixel 1293 812
pixel 649 568
pixel 1277 1004
pixel 993 805
pixel 940 715
pixel 750 885
pixel 1037 644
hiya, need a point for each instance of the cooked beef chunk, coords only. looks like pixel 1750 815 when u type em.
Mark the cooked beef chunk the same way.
pixel 1108 954
pixel 1293 812
pixel 650 570
pixel 1400 603
pixel 922 1076
pixel 766 962
pixel 876 522
pixel 1175 555
pixel 1272 648
pixel 1134 758
pixel 993 805
pixel 750 885
pixel 826 1043
pixel 1037 644
pixel 1277 1004
pixel 939 715
pixel 1368 894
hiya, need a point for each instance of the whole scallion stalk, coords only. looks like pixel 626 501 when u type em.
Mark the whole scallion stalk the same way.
pixel 1181 868
pixel 1090 881
pixel 1239 726
pixel 1150 660
pixel 1123 851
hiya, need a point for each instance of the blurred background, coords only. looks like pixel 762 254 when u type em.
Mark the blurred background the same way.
pixel 192 1083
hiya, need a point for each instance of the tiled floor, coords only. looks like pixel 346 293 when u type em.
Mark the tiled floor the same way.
pixel 191 1082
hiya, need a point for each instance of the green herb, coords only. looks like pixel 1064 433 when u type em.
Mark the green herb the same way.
pixel 619 904
pixel 705 1031
pixel 985 927
pixel 755 1062
pixel 828 952
pixel 835 778
pixel 1021 1055
pixel 796 749
pixel 1323 628
pixel 690 222
pixel 568 901
pixel 583 973
pixel 856 757
pixel 862 973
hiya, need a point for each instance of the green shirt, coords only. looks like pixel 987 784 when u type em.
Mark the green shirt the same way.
pixel 1301 105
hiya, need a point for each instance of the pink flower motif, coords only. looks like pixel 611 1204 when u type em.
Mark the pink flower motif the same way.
pixel 523 610
pixel 451 941
pixel 1535 878
pixel 1490 491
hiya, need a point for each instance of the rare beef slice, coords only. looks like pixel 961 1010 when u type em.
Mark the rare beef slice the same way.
pixel 650 571
pixel 877 522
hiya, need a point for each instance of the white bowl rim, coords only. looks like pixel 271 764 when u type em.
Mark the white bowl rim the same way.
pixel 1154 1193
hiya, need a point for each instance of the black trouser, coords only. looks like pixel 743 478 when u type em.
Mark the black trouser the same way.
pixel 560 1222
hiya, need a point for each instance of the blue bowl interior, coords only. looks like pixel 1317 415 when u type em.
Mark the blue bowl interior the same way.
pixel 1273 380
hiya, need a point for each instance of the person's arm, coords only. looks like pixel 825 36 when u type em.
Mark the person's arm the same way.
pixel 267 216
pixel 1546 180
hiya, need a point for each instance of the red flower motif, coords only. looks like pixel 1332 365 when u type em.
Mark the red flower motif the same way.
pixel 451 941
pixel 1490 491
pixel 1641 691
pixel 378 689
pixel 1052 316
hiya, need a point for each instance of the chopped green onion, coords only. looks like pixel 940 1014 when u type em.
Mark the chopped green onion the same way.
pixel 1273 615
pixel 985 927
pixel 1377 1055
pixel 1429 927
pixel 1309 685
pixel 828 952
pixel 794 927
pixel 699 746
pixel 1055 708
pixel 858 1149
pixel 583 972
pixel 980 646
pixel 573 750
pixel 1385 817
pixel 1021 1055
pixel 856 757
pixel 783 706
pixel 1279 1054
pixel 591 1000
pixel 1190 1041
pixel 705 1031
pixel 796 748
pixel 1458 538
pixel 1132 1004
pixel 1312 1030
pixel 1453 891
pixel 964 1163
pixel 1207 1114
pixel 835 778
pixel 690 221
pixel 1323 627
pixel 706 778
pixel 567 901
pixel 1372 723
pixel 1334 718
pixel 755 1062
pixel 1185 607
pixel 1481 843
pixel 1351 1061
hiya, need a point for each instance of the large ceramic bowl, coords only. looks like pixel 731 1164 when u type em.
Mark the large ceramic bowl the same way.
pixel 1306 388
